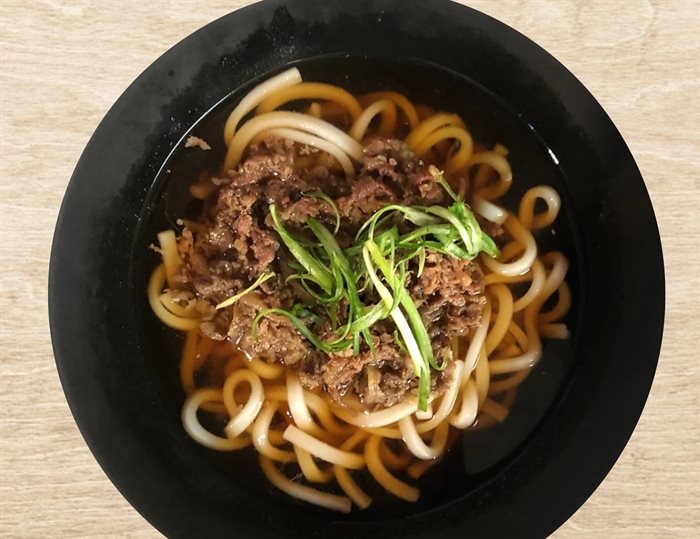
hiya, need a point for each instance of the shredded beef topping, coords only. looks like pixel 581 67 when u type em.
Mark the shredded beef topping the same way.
pixel 449 295
pixel 234 243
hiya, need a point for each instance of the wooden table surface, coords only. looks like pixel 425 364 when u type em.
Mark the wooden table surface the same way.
pixel 65 62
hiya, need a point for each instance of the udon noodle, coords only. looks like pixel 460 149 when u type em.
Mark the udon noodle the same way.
pixel 264 405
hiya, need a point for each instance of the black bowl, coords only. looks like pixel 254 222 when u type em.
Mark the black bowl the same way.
pixel 572 417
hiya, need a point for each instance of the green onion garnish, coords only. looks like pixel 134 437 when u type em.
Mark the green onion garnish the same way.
pixel 233 299
pixel 328 200
pixel 392 243
pixel 318 271
pixel 371 254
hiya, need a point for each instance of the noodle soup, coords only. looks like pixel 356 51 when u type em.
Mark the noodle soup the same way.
pixel 343 448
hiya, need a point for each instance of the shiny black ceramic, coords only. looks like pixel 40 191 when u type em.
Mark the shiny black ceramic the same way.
pixel 118 365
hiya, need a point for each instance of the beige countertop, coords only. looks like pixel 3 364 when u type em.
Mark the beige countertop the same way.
pixel 64 63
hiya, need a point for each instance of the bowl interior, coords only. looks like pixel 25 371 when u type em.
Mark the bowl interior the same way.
pixel 479 454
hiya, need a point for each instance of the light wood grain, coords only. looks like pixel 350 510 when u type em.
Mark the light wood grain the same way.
pixel 64 63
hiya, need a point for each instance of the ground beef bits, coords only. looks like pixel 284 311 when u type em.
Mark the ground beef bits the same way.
pixel 390 173
pixel 277 339
pixel 449 295
pixel 234 243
